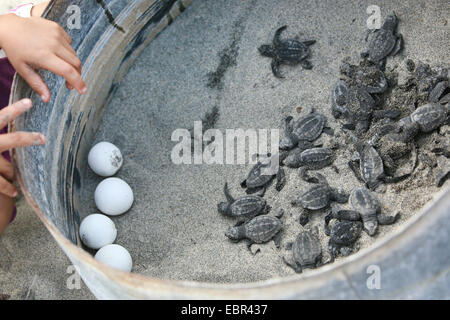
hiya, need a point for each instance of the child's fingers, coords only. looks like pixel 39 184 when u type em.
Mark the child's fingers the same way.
pixel 65 35
pixel 13 111
pixel 7 188
pixel 66 70
pixel 20 139
pixel 35 81
pixel 6 169
pixel 69 57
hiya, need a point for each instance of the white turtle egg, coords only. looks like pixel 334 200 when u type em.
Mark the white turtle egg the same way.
pixel 113 196
pixel 115 256
pixel 105 159
pixel 97 230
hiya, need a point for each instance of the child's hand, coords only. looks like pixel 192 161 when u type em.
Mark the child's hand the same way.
pixel 34 43
pixel 14 140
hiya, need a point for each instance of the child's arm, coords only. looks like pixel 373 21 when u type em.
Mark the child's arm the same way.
pixel 35 43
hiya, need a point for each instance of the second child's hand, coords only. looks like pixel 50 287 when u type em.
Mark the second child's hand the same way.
pixel 36 43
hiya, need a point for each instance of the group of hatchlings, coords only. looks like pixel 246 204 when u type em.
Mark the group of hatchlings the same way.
pixel 356 101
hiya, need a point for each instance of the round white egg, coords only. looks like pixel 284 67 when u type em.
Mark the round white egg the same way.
pixel 105 159
pixel 115 256
pixel 97 230
pixel 113 196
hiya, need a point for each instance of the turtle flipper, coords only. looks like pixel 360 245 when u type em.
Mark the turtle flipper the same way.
pixel 297 268
pixel 398 45
pixel 306 64
pixel 281 179
pixel 277 239
pixel 304 217
pixel 309 42
pixel 384 219
pixel 256 189
pixel 276 38
pixel 276 68
pixel 230 199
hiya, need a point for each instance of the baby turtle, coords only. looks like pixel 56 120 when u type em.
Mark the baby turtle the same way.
pixel 289 51
pixel 342 237
pixel 261 175
pixel 318 197
pixel 354 104
pixel 339 99
pixel 437 94
pixel 430 116
pixel 243 208
pixel 425 118
pixel 311 159
pixel 371 169
pixel 305 129
pixel 366 208
pixel 306 251
pixel 260 229
pixel 385 41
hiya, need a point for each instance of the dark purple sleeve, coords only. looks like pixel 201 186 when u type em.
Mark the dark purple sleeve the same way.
pixel 6 77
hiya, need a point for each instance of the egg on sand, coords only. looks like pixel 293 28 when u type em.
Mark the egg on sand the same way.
pixel 97 230
pixel 115 256
pixel 105 159
pixel 113 196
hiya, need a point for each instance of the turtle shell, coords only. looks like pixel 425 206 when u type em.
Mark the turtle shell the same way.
pixel 363 200
pixel 370 164
pixel 306 248
pixel 339 99
pixel 317 158
pixel 345 232
pixel 317 197
pixel 262 228
pixel 255 177
pixel 382 44
pixel 429 116
pixel 309 127
pixel 291 50
pixel 247 206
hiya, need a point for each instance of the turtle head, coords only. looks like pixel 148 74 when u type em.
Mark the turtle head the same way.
pixel 223 207
pixel 234 233
pixel 391 22
pixel 287 143
pixel 371 227
pixel 267 50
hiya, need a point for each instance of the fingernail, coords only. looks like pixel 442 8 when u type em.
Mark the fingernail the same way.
pixel 15 193
pixel 84 90
pixel 39 139
pixel 26 104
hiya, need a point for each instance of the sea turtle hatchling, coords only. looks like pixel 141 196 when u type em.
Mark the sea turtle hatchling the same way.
pixel 356 107
pixel 343 235
pixel 425 118
pixel 262 174
pixel 317 197
pixel 243 208
pixel 260 229
pixel 289 51
pixel 311 159
pixel 303 130
pixel 370 169
pixel 385 41
pixel 366 207
pixel 306 251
